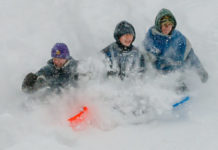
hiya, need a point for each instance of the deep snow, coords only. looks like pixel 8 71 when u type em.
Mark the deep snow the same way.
pixel 30 28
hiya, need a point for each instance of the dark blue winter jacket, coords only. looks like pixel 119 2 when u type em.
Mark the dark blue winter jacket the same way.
pixel 57 78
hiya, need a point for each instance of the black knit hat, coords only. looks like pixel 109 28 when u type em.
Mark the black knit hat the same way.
pixel 123 28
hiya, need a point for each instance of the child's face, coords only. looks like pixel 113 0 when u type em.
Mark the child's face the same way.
pixel 59 62
pixel 166 28
pixel 126 39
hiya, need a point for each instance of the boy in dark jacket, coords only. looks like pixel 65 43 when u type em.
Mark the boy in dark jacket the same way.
pixel 60 71
pixel 121 57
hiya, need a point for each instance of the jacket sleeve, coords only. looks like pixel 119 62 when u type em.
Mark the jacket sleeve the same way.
pixel 142 62
pixel 107 57
pixel 193 61
pixel 42 77
pixel 108 61
pixel 74 71
pixel 150 48
pixel 74 74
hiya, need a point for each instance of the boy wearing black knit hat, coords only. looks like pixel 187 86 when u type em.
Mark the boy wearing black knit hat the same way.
pixel 121 57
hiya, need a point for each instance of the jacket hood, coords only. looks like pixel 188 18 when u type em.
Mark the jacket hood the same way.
pixel 122 28
pixel 164 12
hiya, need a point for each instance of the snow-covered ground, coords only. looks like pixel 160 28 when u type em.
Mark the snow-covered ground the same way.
pixel 30 28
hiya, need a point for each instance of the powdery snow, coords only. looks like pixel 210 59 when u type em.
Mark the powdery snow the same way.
pixel 135 114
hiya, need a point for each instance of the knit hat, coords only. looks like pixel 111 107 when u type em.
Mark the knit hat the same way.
pixel 166 19
pixel 123 28
pixel 60 50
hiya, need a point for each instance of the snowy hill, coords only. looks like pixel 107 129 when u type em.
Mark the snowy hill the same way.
pixel 30 28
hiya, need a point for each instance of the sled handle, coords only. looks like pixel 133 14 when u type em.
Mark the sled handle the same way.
pixel 187 98
pixel 79 115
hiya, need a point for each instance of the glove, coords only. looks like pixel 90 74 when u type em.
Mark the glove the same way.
pixel 162 63
pixel 76 76
pixel 203 76
pixel 29 82
pixel 111 73
pixel 182 88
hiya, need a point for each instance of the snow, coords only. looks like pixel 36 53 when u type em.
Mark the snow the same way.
pixel 30 28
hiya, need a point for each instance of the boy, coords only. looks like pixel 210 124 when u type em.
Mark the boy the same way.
pixel 59 72
pixel 122 58
pixel 168 49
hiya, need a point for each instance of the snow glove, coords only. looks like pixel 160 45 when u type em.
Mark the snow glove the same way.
pixel 203 75
pixel 162 63
pixel 29 82
pixel 111 73
pixel 32 83
pixel 121 75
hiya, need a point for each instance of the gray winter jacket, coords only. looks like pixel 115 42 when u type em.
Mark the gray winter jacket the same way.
pixel 122 60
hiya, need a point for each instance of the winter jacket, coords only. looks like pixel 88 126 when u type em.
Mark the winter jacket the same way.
pixel 170 52
pixel 59 77
pixel 122 60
